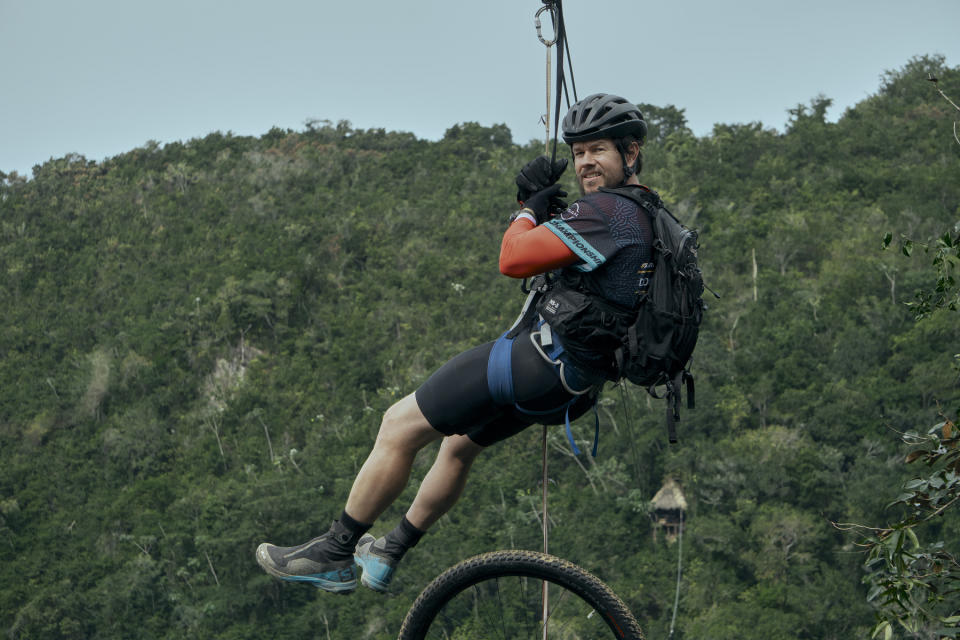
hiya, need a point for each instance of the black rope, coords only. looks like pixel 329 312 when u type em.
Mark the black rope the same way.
pixel 563 46
pixel 566 46
pixel 561 38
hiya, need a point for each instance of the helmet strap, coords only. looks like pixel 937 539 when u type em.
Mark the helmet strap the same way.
pixel 627 169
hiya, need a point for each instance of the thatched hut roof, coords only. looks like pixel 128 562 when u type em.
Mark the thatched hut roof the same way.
pixel 670 497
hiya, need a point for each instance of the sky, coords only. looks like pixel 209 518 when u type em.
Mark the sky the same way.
pixel 102 77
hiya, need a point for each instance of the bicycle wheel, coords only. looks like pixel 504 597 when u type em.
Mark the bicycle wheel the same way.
pixel 499 595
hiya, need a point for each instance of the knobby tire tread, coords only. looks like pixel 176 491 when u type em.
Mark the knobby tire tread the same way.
pixel 531 564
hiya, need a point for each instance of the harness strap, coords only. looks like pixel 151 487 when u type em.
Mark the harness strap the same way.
pixel 682 378
pixel 673 411
pixel 537 286
pixel 553 353
pixel 500 371
pixel 632 343
pixel 500 384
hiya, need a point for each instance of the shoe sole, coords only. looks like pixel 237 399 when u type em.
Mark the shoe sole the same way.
pixel 373 583
pixel 367 580
pixel 339 587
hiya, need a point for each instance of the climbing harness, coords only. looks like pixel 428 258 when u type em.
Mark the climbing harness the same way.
pixel 575 382
pixel 574 379
pixel 570 376
pixel 552 356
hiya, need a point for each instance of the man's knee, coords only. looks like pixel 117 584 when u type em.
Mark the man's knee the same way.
pixel 404 426
pixel 461 449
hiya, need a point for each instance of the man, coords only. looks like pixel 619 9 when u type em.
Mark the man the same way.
pixel 498 389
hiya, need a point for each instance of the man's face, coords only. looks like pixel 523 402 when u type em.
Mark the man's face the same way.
pixel 597 163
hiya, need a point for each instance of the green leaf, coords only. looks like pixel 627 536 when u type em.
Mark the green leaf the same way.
pixel 904 497
pixel 894 541
pixel 913 537
pixel 883 627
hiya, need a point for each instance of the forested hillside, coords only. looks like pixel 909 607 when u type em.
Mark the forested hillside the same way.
pixel 199 339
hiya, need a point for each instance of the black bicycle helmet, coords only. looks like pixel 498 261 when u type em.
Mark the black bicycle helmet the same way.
pixel 603 115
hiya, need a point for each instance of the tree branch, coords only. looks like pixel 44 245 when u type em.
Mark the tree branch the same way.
pixel 936 85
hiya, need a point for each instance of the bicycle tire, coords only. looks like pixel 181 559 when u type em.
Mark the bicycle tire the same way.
pixel 500 576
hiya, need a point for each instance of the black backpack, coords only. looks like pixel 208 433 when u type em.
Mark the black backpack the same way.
pixel 659 344
pixel 652 346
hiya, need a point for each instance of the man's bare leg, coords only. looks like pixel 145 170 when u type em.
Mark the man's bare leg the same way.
pixel 444 482
pixel 327 561
pixel 403 432
pixel 438 493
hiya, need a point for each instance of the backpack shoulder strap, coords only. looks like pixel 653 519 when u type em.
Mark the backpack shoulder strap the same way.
pixel 646 198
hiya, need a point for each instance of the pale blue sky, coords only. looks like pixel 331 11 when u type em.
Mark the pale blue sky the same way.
pixel 101 77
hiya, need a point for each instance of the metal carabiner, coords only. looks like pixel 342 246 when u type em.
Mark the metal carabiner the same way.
pixel 553 19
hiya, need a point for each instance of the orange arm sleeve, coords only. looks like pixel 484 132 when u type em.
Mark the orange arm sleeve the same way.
pixel 527 250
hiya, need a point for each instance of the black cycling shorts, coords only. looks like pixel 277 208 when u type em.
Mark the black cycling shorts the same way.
pixel 457 400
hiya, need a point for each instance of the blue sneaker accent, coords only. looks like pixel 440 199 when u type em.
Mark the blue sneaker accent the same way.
pixel 378 568
pixel 295 564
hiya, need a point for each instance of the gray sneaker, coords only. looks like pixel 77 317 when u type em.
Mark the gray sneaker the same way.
pixel 301 564
pixel 378 567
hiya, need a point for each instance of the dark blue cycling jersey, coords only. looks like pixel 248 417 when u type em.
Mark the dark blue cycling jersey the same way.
pixel 612 237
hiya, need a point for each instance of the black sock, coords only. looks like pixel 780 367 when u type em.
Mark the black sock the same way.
pixel 344 534
pixel 403 537
pixel 354 527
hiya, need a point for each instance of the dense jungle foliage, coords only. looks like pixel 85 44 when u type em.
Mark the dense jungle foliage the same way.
pixel 199 339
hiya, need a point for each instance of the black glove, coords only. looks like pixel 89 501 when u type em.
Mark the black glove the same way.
pixel 538 174
pixel 546 202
